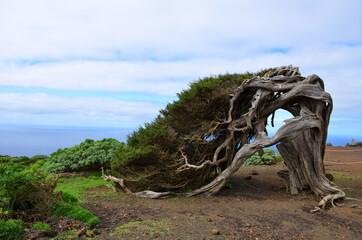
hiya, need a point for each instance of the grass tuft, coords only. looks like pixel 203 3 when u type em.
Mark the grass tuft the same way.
pixel 76 186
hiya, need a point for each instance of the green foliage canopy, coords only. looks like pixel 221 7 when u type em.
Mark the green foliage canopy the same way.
pixel 187 127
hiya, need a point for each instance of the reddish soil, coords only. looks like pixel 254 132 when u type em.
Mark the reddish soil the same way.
pixel 348 159
pixel 252 208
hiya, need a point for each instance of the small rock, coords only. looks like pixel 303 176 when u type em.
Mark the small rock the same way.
pixel 209 219
pixel 247 225
pixel 254 172
pixel 248 178
pixel 216 232
pixel 219 215
pixel 82 232
pixel 97 231
pixel 189 214
pixel 353 206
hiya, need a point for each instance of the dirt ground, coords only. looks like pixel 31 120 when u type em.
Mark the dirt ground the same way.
pixel 249 208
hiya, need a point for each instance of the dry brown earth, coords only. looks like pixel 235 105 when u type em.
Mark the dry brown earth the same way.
pixel 257 208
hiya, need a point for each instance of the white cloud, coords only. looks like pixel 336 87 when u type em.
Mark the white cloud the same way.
pixel 148 77
pixel 338 66
pixel 58 29
pixel 158 46
pixel 44 105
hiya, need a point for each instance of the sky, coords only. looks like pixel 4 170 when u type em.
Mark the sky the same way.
pixel 115 64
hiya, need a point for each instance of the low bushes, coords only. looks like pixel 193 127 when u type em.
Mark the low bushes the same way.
pixel 25 191
pixel 269 157
pixel 11 229
pixel 27 196
pixel 25 161
pixel 71 209
pixel 76 212
pixel 40 157
pixel 87 156
pixel 41 226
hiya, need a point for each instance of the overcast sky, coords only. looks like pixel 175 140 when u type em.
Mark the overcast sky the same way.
pixel 117 63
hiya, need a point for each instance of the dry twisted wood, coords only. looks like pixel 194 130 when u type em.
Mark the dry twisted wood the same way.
pixel 301 140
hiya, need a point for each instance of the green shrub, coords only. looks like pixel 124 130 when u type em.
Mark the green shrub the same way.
pixel 39 157
pixel 22 161
pixel 69 198
pixel 11 229
pixel 24 190
pixel 93 221
pixel 4 158
pixel 14 189
pixel 87 156
pixel 127 155
pixel 37 166
pixel 141 144
pixel 76 212
pixel 269 157
pixel 41 226
pixel 69 207
pixel 17 164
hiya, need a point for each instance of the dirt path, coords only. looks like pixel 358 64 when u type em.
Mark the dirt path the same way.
pixel 257 208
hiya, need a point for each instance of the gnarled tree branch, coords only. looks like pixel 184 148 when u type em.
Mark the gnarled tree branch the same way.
pixel 301 141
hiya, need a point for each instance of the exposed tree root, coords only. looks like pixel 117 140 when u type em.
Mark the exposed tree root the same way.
pixel 142 194
pixel 330 199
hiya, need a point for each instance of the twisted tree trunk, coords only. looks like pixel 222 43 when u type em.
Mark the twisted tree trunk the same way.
pixel 301 140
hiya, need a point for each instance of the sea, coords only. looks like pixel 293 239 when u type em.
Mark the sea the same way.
pixel 32 140
pixel 22 140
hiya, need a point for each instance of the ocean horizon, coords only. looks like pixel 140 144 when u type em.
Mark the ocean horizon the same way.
pixel 29 140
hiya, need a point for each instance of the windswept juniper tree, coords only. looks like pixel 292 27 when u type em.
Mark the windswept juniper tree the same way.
pixel 201 139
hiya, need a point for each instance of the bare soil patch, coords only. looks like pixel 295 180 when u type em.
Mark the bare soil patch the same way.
pixel 347 159
pixel 251 207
